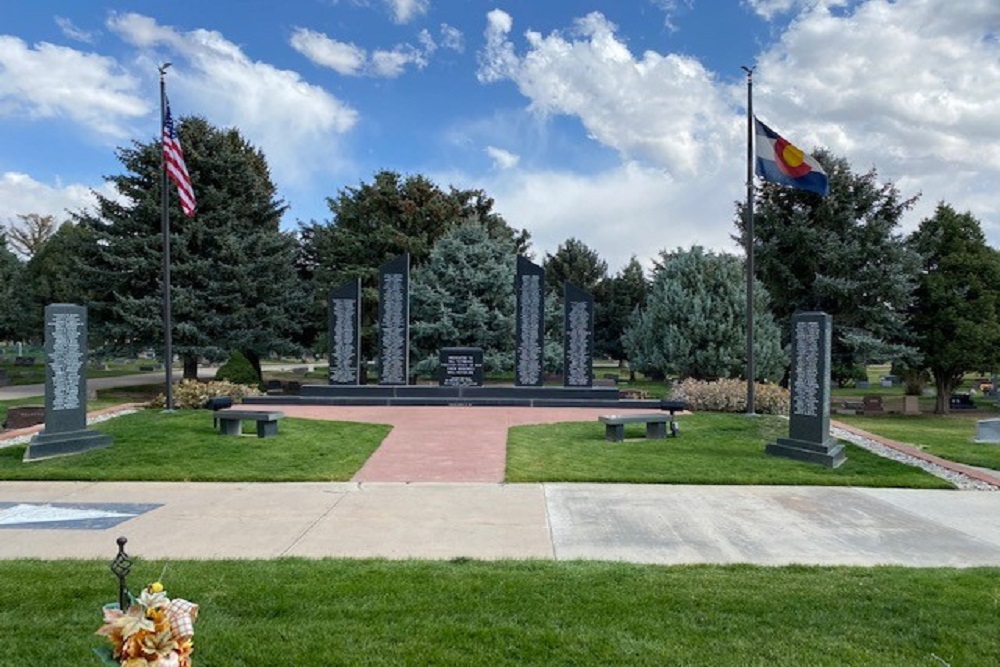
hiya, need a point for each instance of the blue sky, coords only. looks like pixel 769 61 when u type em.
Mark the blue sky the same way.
pixel 621 124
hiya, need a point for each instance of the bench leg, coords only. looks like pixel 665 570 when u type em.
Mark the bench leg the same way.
pixel 614 432
pixel 675 428
pixel 229 426
pixel 267 429
pixel 656 430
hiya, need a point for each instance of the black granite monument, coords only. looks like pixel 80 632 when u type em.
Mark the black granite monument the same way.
pixel 461 367
pixel 809 436
pixel 65 387
pixel 578 337
pixel 529 288
pixel 394 321
pixel 345 333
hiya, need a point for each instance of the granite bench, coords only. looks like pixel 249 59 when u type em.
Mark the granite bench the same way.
pixel 656 426
pixel 230 421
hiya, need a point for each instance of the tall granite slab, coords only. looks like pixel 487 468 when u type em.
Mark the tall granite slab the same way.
pixel 394 321
pixel 345 333
pixel 529 357
pixel 578 337
pixel 809 436
pixel 460 367
pixel 65 429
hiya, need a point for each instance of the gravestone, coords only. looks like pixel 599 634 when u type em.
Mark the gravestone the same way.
pixel 809 436
pixel 578 337
pixel 461 367
pixel 529 286
pixel 394 321
pixel 345 333
pixel 65 429
pixel 988 431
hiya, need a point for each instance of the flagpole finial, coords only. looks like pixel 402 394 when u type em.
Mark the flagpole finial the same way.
pixel 163 68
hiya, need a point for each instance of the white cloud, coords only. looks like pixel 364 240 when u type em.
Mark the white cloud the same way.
pixel 70 30
pixel 667 110
pixel 452 38
pixel 404 11
pixel 353 60
pixel 390 64
pixel 341 57
pixel 910 88
pixel 49 81
pixel 503 159
pixel 625 211
pixel 295 123
pixel 20 194
pixel 670 8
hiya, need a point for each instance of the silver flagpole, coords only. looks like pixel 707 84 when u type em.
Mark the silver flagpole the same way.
pixel 168 353
pixel 751 371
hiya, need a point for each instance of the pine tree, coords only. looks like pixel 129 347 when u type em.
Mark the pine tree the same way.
pixel 232 269
pixel 463 296
pixel 694 321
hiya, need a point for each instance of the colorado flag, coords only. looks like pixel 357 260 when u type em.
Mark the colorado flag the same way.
pixel 780 162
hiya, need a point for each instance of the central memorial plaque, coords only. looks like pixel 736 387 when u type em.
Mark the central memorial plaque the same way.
pixel 461 367
pixel 394 321
pixel 345 333
pixel 529 286
pixel 578 337
pixel 809 436
pixel 65 387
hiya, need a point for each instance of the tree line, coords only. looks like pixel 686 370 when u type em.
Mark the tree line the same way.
pixel 928 301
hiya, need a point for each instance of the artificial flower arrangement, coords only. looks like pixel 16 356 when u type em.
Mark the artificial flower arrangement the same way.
pixel 154 631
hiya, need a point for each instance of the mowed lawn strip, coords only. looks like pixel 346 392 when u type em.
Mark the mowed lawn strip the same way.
pixel 153 445
pixel 337 612
pixel 713 448
pixel 951 437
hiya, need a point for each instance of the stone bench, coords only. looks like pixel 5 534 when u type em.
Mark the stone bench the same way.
pixel 656 426
pixel 231 421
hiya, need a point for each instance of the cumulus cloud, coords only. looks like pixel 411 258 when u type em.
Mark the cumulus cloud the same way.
pixel 668 109
pixel 342 57
pixel 386 63
pixel 295 123
pixel 910 88
pixel 49 81
pixel 20 194
pixel 503 159
pixel 404 11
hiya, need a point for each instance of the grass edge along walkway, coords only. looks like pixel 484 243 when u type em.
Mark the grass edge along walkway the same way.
pixel 467 612
pixel 980 475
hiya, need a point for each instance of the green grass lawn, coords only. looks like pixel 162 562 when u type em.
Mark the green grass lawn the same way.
pixel 336 612
pixel 713 448
pixel 152 445
pixel 950 437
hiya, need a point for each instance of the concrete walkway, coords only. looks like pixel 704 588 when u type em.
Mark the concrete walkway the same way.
pixel 667 524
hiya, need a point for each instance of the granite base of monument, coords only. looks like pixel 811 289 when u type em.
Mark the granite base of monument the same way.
pixel 830 453
pixel 49 445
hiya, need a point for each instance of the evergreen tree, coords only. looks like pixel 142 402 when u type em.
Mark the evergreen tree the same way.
pixel 839 254
pixel 615 300
pixel 694 321
pixel 232 269
pixel 12 320
pixel 377 221
pixel 464 296
pixel 53 274
pixel 956 310
pixel 576 263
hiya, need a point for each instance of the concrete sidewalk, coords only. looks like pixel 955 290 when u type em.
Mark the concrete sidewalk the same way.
pixel 662 524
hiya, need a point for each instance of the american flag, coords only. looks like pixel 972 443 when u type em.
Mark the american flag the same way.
pixel 173 157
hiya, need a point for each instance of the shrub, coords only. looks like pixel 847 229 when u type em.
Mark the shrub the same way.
pixel 238 370
pixel 192 394
pixel 731 396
